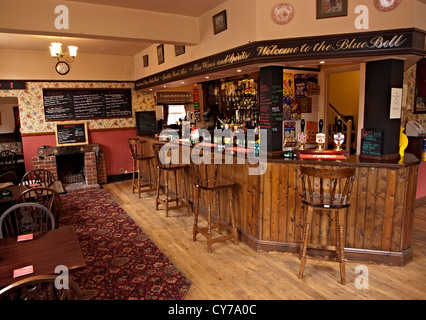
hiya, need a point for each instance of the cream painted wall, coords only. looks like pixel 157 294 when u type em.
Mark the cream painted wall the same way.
pixel 97 21
pixel 344 93
pixel 251 20
pixel 39 65
pixel 305 22
pixel 241 23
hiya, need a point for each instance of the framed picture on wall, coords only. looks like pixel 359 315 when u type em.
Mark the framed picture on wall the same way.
pixel 179 50
pixel 145 61
pixel 331 8
pixel 219 22
pixel 160 53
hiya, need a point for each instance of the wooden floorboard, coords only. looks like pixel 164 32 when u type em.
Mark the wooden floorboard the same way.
pixel 234 272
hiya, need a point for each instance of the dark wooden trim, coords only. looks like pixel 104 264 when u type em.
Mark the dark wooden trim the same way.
pixel 119 177
pixel 252 53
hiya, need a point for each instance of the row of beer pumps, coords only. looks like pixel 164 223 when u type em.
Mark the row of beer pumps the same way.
pixel 338 138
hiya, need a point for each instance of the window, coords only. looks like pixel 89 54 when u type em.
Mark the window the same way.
pixel 175 113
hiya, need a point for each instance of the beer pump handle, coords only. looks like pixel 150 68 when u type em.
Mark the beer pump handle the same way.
pixel 321 124
pixel 339 124
pixel 302 125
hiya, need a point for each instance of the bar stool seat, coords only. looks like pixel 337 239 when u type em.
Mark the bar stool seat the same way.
pixel 326 189
pixel 139 160
pixel 167 169
pixel 206 179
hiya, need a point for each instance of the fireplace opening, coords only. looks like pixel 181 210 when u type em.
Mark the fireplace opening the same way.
pixel 71 168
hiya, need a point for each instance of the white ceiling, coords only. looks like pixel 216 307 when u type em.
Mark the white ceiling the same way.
pixel 193 8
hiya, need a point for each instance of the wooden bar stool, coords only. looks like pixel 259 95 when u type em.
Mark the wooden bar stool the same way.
pixel 136 148
pixel 167 168
pixel 326 189
pixel 205 177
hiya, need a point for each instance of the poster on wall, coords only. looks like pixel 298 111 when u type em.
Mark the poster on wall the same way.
pixel 312 87
pixel 300 85
pixel 288 84
pixel 311 131
pixel 289 129
pixel 291 108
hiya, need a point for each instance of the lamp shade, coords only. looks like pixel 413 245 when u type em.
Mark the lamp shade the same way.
pixel 72 51
pixel 55 48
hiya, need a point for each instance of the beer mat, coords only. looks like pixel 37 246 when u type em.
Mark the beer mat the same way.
pixel 206 144
pixel 25 237
pixel 237 149
pixel 23 271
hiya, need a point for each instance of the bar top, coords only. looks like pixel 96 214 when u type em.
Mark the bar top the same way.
pixel 352 161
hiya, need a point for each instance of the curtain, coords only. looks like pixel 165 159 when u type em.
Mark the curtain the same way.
pixel 17 120
pixel 165 114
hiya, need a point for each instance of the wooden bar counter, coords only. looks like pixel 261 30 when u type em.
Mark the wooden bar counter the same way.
pixel 269 213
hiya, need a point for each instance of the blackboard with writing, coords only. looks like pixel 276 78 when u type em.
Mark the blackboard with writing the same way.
pixel 372 142
pixel 71 133
pixel 66 104
pixel 271 105
pixel 146 123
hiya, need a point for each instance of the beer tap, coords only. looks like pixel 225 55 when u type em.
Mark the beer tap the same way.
pixel 338 137
pixel 301 137
pixel 320 136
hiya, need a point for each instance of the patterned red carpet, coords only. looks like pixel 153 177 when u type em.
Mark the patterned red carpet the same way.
pixel 122 262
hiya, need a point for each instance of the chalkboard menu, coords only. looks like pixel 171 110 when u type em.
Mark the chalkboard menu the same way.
pixel 71 134
pixel 372 143
pixel 146 123
pixel 86 103
pixel 271 105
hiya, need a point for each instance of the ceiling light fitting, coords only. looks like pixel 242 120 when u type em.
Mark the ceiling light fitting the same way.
pixel 56 52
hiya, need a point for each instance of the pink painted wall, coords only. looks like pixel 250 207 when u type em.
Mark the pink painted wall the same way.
pixel 113 144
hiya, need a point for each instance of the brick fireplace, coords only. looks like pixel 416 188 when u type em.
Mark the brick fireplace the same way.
pixel 93 165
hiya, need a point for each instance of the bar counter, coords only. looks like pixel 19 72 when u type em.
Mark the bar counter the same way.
pixel 269 213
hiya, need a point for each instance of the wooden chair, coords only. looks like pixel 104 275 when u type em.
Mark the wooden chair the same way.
pixel 326 189
pixel 167 169
pixel 44 196
pixel 24 218
pixel 38 178
pixel 41 288
pixel 136 149
pixel 8 161
pixel 205 177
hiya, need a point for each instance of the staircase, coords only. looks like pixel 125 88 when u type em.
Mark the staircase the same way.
pixel 347 130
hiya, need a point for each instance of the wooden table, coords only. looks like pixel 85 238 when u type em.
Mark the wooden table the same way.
pixel 45 252
pixel 16 192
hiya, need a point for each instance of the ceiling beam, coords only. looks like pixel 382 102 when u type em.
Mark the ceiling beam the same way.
pixel 98 22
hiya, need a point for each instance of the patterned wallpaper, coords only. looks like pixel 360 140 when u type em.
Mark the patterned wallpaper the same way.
pixel 31 107
pixel 31 110
pixel 410 84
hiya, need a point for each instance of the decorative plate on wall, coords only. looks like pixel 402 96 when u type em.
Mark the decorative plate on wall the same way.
pixel 283 13
pixel 386 5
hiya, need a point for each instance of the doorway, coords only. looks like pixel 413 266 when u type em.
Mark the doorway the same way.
pixel 10 133
pixel 343 101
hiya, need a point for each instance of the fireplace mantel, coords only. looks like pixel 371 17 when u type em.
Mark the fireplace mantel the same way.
pixel 64 150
